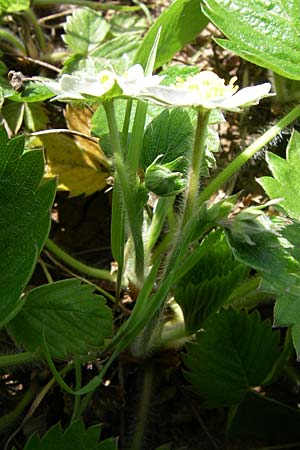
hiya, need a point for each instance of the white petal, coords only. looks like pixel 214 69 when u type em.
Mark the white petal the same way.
pixel 247 96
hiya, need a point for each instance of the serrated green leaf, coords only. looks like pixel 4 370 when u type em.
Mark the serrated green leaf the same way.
pixel 202 290
pixel 170 134
pixel 117 48
pixel 126 22
pixel 234 353
pixel 264 33
pixel 33 92
pixel 75 437
pixel 286 172
pixel 16 5
pixel 24 219
pixel 73 319
pixel 85 29
pixel 180 23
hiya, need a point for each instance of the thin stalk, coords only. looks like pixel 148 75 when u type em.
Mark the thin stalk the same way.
pixel 18 359
pixel 135 144
pixel 37 29
pixel 78 378
pixel 240 160
pixel 12 39
pixel 144 405
pixel 196 164
pixel 126 123
pixel 89 3
pixel 128 190
pixel 8 419
pixel 118 234
pixel 102 274
pixel 158 219
pixel 45 270
pixel 280 88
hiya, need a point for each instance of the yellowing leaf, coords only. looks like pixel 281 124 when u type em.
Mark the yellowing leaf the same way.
pixel 76 172
pixel 79 119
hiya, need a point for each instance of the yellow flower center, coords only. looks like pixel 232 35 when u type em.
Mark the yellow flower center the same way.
pixel 207 85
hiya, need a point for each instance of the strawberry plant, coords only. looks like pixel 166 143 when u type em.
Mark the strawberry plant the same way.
pixel 196 270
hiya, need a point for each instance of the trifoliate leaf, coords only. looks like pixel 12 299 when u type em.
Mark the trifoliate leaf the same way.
pixel 75 437
pixel 286 172
pixel 206 286
pixel 234 353
pixel 24 218
pixel 72 318
pixel 85 29
pixel 262 32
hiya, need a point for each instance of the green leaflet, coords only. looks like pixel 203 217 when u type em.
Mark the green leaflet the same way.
pixel 180 23
pixel 73 438
pixel 235 352
pixel 206 287
pixel 265 33
pixel 286 172
pixel 17 5
pixel 25 205
pixel 170 134
pixel 85 29
pixel 74 320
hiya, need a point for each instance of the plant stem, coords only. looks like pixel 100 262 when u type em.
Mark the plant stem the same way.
pixel 143 407
pixel 78 377
pixel 77 265
pixel 19 358
pixel 196 164
pixel 237 163
pixel 158 219
pixel 128 190
pixel 37 29
pixel 88 3
pixel 8 419
pixel 7 35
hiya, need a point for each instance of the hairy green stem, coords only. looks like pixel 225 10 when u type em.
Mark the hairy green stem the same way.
pixel 158 219
pixel 197 160
pixel 18 359
pixel 240 160
pixel 102 274
pixel 128 190
pixel 78 378
pixel 142 414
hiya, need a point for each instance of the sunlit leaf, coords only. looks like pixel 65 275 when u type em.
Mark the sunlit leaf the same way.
pixel 85 29
pixel 76 171
pixel 35 116
pixel 286 172
pixel 235 352
pixel 180 23
pixel 24 219
pixel 16 5
pixel 72 318
pixel 265 33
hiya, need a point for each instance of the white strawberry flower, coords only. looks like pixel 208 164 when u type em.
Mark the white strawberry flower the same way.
pixel 80 85
pixel 134 82
pixel 207 91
